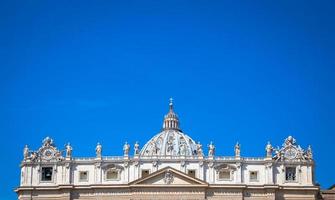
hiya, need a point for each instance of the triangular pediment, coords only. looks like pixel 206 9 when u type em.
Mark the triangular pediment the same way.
pixel 168 177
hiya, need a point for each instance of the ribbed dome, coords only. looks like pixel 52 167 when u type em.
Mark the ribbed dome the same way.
pixel 171 141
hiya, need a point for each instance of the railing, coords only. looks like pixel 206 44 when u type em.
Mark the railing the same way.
pixel 253 158
pixel 169 157
pixel 224 158
pixel 83 158
pixel 112 157
pixel 218 158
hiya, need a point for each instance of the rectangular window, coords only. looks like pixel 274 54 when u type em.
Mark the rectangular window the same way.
pixel 224 175
pixel 253 176
pixel 290 174
pixel 83 176
pixel 112 175
pixel 191 173
pixel 46 174
pixel 145 173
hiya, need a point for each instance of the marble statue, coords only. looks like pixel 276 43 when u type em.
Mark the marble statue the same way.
pixel 68 150
pixel 170 145
pixel 136 148
pixel 199 149
pixel 48 142
pixel 309 152
pixel 211 149
pixel 182 149
pixel 289 141
pixel 33 156
pixel 26 152
pixel 126 148
pixel 268 150
pixel 98 150
pixel 237 150
pixel 154 148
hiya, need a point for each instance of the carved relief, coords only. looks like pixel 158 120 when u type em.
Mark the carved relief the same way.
pixel 168 177
pixel 290 150
pixel 47 152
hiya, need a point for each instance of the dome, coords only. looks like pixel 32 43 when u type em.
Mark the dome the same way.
pixel 171 141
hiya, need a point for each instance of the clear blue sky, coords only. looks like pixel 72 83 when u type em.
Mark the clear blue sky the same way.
pixel 247 71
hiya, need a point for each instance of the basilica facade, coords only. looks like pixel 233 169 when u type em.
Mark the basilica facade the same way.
pixel 171 165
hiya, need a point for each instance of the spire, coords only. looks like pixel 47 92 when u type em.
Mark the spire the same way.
pixel 171 120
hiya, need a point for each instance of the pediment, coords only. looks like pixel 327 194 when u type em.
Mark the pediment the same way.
pixel 168 177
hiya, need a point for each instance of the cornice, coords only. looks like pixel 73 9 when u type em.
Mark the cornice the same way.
pixel 209 186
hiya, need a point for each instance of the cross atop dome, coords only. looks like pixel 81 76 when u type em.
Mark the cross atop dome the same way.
pixel 171 120
pixel 171 103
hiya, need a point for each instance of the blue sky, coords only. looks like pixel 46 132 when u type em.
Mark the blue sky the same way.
pixel 103 71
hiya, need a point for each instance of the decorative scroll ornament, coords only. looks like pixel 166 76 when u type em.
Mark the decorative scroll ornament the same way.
pixel 183 163
pixel 168 177
pixel 224 166
pixel 126 163
pixel 47 152
pixel 290 150
pixel 211 164
pixel 155 163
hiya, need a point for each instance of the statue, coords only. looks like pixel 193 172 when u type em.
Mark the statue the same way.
pixel 68 150
pixel 237 150
pixel 211 150
pixel 278 153
pixel 268 150
pixel 98 150
pixel 182 149
pixel 136 148
pixel 126 148
pixel 199 149
pixel 58 156
pixel 25 152
pixel 48 142
pixel 309 153
pixel 170 144
pixel 290 141
pixel 33 156
pixel 154 148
